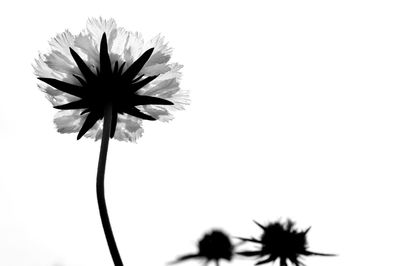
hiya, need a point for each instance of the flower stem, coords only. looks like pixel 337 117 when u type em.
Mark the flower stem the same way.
pixel 100 187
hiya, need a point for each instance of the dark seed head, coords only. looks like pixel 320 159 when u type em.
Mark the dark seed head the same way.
pixel 214 246
pixel 280 241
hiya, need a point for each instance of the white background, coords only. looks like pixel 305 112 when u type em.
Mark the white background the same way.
pixel 295 113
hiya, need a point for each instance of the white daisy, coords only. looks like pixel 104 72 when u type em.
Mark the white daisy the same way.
pixel 149 91
pixel 105 81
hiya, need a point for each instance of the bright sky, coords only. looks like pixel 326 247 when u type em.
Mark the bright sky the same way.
pixel 295 114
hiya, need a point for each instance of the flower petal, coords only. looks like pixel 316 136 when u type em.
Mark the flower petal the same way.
pixel 155 69
pixel 120 43
pixel 164 89
pixel 43 70
pixel 55 96
pixel 87 46
pixel 68 121
pixel 60 59
pixel 96 28
pixel 158 112
pixel 129 128
pixel 162 53
pixel 135 48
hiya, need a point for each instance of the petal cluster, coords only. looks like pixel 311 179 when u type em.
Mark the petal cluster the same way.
pixel 107 64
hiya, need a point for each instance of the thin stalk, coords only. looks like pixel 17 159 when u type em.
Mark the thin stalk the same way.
pixel 100 187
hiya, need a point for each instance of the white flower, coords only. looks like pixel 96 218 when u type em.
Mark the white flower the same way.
pixel 64 82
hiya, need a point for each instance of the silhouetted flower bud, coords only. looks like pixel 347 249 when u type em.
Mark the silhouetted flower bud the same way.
pixel 280 241
pixel 214 246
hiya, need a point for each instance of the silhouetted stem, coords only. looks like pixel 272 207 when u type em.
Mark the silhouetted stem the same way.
pixel 100 188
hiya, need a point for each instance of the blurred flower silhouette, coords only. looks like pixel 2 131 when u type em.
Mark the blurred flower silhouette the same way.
pixel 280 241
pixel 107 65
pixel 105 81
pixel 214 246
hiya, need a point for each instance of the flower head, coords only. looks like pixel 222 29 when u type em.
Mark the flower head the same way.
pixel 214 246
pixel 280 241
pixel 106 65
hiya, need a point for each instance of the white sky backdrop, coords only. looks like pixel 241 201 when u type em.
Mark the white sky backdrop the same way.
pixel 295 113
